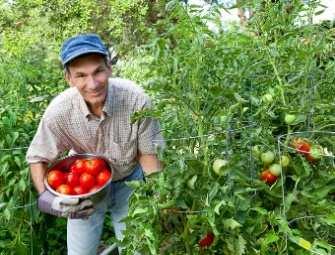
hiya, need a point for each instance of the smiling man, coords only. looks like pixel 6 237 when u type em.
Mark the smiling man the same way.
pixel 94 116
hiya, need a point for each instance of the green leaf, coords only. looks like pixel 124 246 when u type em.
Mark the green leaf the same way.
pixel 231 224
pixel 289 199
pixel 260 210
pixel 329 220
pixel 2 205
pixel 323 192
pixel 18 161
pixel 218 206
pixel 319 12
pixel 321 247
pixel 171 5
pixel 270 237
pixel 150 238
pixel 240 245
pixel 7 214
pixel 22 185
pixel 139 211
pixel 15 136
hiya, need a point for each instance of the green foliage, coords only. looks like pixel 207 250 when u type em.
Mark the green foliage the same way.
pixel 236 83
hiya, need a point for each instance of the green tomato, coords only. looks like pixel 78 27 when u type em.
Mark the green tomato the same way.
pixel 267 157
pixel 284 161
pixel 275 169
pixel 219 165
pixel 315 153
pixel 256 151
pixel 289 118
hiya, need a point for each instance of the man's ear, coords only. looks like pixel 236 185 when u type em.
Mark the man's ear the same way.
pixel 67 78
pixel 109 69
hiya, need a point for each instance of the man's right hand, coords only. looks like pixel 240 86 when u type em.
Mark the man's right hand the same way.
pixel 65 207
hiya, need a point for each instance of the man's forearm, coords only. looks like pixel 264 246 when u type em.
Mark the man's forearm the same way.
pixel 150 163
pixel 37 171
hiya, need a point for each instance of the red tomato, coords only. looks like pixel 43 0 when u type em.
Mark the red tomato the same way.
pixel 65 189
pixel 94 166
pixel 55 178
pixel 86 181
pixel 95 188
pixel 301 146
pixel 72 179
pixel 207 240
pixel 78 167
pixel 103 177
pixel 78 190
pixel 268 177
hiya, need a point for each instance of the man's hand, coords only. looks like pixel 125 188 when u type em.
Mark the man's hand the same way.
pixel 64 206
pixel 149 163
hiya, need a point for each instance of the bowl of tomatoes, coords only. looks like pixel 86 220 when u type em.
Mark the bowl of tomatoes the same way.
pixel 79 175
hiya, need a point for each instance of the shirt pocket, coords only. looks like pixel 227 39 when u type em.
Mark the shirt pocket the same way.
pixel 123 153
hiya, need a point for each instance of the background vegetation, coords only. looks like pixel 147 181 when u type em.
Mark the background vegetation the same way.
pixel 225 90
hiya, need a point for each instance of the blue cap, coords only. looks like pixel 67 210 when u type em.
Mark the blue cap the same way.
pixel 80 45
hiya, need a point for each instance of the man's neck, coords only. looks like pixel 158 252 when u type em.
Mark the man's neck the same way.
pixel 95 109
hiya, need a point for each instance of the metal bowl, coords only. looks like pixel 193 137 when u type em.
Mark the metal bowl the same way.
pixel 64 165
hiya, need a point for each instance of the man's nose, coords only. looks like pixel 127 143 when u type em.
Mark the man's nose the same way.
pixel 92 82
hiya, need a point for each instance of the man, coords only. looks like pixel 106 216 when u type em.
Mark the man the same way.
pixel 94 116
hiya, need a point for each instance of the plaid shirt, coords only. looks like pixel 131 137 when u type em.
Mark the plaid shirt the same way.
pixel 67 124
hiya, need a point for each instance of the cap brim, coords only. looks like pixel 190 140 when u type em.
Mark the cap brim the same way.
pixel 81 53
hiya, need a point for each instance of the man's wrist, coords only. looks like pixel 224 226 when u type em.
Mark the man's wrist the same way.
pixel 151 173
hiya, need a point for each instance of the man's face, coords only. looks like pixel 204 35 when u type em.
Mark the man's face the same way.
pixel 89 74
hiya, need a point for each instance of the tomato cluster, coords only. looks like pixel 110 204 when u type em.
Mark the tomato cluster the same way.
pixel 311 152
pixel 272 167
pixel 83 176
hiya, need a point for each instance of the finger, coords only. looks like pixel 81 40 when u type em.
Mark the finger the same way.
pixel 68 201
pixel 83 214
pixel 85 204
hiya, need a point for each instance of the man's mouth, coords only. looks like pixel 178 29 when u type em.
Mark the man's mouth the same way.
pixel 96 93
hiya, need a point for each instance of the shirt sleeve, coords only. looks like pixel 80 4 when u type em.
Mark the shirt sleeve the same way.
pixel 46 144
pixel 150 139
